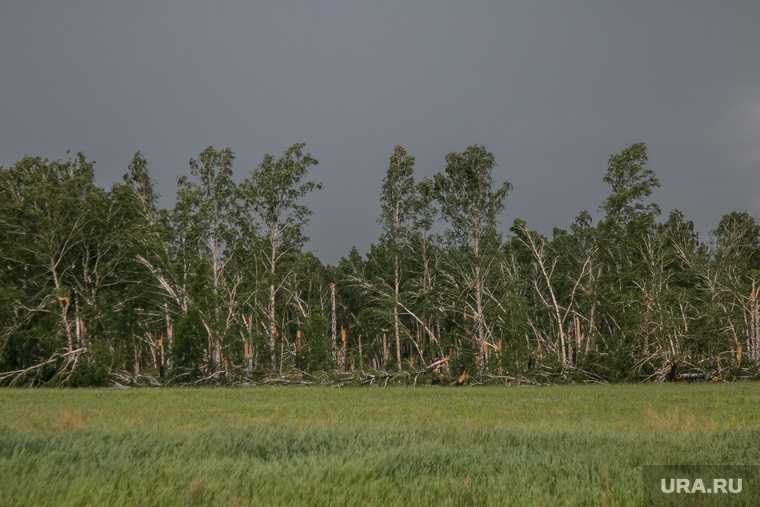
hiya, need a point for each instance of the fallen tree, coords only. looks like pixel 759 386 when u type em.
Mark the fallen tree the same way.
pixel 65 363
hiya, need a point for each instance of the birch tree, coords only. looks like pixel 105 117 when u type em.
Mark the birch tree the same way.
pixel 273 195
pixel 560 306
pixel 397 205
pixel 470 201
pixel 204 215
pixel 44 217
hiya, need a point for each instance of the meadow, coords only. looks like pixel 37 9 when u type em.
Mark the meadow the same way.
pixel 560 445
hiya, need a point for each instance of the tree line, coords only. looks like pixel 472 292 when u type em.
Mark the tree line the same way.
pixel 104 286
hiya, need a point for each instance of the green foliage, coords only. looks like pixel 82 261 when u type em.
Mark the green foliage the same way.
pixel 219 286
pixel 466 194
pixel 273 193
pixel 397 197
pixel 631 181
pixel 317 355
pixel 90 374
pixel 189 344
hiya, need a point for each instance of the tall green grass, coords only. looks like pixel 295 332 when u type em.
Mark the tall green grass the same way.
pixel 564 445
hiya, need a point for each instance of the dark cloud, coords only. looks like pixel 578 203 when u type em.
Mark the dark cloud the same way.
pixel 552 88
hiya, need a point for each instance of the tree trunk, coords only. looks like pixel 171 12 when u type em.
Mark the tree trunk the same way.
pixel 386 353
pixel 479 324
pixel 395 313
pixel 753 327
pixel 333 323
pixel 136 357
pixel 361 354
pixel 79 326
pixel 161 357
pixel 480 328
pixel 63 303
pixel 343 348
pixel 248 343
pixel 214 344
pixel 299 340
pixel 169 336
pixel 272 329
pixel 272 309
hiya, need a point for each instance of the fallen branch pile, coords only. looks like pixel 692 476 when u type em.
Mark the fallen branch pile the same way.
pixel 66 364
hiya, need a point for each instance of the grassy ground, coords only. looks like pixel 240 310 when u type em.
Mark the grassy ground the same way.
pixel 364 446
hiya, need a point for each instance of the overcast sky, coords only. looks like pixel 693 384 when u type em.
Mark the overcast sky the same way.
pixel 551 87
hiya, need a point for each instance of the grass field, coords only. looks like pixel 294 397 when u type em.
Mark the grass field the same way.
pixel 364 446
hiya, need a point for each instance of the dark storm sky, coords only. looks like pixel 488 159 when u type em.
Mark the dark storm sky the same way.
pixel 551 87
